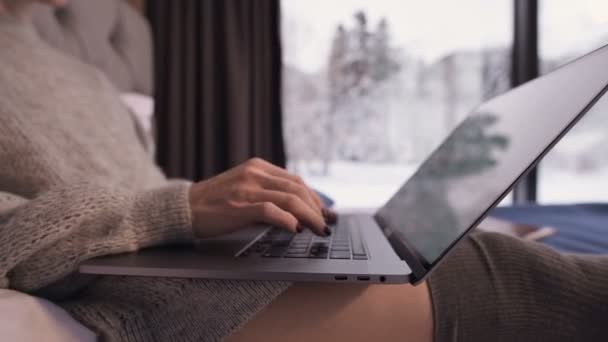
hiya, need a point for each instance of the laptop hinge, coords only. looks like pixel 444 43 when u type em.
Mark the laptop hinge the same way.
pixel 409 256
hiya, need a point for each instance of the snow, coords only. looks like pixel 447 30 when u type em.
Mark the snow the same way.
pixel 367 186
pixel 359 185
pixel 563 187
pixel 447 66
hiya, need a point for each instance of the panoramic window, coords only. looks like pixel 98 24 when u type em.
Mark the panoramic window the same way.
pixel 576 170
pixel 372 87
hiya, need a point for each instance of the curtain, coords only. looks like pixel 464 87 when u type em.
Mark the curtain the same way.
pixel 218 84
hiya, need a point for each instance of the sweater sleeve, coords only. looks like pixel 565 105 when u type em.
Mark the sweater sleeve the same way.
pixel 43 240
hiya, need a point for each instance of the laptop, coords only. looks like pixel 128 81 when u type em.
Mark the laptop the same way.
pixel 450 193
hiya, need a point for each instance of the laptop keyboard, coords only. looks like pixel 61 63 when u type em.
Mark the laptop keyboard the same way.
pixel 344 243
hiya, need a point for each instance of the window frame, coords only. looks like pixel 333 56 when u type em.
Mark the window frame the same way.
pixel 525 67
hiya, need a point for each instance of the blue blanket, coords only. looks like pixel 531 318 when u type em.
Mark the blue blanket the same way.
pixel 581 228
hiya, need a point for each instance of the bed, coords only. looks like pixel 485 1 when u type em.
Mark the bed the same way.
pixel 115 38
pixel 580 228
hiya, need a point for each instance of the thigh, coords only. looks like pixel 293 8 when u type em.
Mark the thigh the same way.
pixel 324 312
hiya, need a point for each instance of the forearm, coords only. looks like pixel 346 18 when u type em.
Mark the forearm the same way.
pixel 47 238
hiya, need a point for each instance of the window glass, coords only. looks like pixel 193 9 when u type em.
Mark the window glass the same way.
pixel 576 170
pixel 372 87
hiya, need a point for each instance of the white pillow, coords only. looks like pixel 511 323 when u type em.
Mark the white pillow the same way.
pixel 142 106
pixel 27 318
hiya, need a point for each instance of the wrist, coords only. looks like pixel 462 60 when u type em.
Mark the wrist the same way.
pixel 166 213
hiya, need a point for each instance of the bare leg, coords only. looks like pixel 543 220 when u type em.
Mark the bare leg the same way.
pixel 490 288
pixel 336 312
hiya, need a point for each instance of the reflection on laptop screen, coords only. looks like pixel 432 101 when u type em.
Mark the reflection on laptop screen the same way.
pixel 486 153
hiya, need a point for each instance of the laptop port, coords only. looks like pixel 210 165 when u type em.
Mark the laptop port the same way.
pixel 363 278
pixel 382 279
pixel 341 277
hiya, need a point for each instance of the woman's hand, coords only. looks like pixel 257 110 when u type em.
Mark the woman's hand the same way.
pixel 256 192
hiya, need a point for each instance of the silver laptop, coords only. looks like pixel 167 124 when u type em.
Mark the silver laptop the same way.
pixel 451 192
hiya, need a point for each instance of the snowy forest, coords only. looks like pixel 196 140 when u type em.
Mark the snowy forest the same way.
pixel 374 109
pixel 377 103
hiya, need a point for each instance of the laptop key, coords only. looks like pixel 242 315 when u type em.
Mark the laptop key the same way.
pixel 269 255
pixel 297 251
pixel 302 238
pixel 260 249
pixel 341 243
pixel 318 256
pixel 358 248
pixel 359 257
pixel 317 250
pixel 340 255
pixel 297 255
pixel 275 252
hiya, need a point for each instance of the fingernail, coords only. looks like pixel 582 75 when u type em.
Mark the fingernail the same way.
pixel 329 216
pixel 327 231
pixel 299 229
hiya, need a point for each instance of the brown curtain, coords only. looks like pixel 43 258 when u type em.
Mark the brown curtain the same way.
pixel 218 84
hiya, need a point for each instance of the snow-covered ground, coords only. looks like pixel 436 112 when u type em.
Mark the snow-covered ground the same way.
pixel 360 185
pixel 558 186
pixel 367 186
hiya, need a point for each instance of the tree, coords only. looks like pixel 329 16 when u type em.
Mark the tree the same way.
pixel 495 72
pixel 383 56
pixel 360 63
pixel 337 93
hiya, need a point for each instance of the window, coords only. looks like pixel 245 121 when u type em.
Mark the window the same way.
pixel 372 87
pixel 576 170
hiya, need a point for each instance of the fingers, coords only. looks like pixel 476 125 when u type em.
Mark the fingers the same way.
pixel 288 192
pixel 255 191
pixel 282 173
pixel 295 206
pixel 270 213
pixel 270 182
pixel 316 198
pixel 330 216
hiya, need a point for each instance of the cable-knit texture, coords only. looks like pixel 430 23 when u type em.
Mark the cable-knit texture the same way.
pixel 75 183
pixel 497 288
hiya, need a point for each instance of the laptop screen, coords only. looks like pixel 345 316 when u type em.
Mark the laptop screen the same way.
pixel 487 152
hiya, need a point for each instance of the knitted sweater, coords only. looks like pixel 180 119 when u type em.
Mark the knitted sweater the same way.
pixel 75 183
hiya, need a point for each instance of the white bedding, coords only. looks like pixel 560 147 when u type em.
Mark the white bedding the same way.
pixel 142 106
pixel 27 318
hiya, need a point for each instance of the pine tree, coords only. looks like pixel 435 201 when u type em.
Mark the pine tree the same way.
pixel 360 63
pixel 337 93
pixel 384 61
